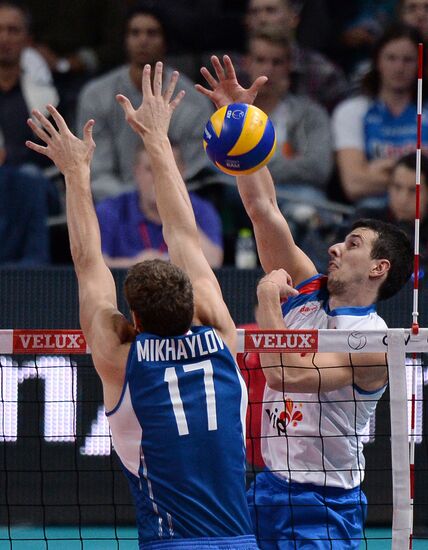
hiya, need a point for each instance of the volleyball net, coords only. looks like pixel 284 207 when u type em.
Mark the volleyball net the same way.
pixel 60 478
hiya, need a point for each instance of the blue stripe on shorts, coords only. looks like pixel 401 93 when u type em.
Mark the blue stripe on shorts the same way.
pixel 244 542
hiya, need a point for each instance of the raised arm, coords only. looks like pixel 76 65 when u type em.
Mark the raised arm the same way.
pixel 293 372
pixel 275 243
pixel 103 325
pixel 151 121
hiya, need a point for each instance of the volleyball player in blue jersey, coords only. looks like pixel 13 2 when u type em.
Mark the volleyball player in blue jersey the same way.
pixel 175 398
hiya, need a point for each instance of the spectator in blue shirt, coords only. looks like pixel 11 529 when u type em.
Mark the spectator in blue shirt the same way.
pixel 130 224
pixel 24 233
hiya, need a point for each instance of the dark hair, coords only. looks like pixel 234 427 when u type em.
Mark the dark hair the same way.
pixel 149 7
pixel 161 295
pixel 371 82
pixel 392 244
pixel 25 12
pixel 409 161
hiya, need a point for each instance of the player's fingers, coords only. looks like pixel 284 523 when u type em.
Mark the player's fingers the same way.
pixel 219 71
pixel 87 131
pixel 229 68
pixel 40 132
pixel 157 79
pixel 171 86
pixel 125 104
pixel 46 124
pixel 59 120
pixel 209 78
pixel 257 84
pixel 177 100
pixel 203 90
pixel 146 85
pixel 38 148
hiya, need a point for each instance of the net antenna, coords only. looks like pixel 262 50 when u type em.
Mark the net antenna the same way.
pixel 415 313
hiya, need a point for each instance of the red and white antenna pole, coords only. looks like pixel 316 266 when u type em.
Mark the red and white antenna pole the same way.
pixel 415 313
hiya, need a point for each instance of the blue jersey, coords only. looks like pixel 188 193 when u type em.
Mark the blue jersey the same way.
pixel 387 135
pixel 179 432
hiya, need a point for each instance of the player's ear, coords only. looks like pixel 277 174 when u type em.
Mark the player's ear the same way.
pixel 379 268
pixel 136 322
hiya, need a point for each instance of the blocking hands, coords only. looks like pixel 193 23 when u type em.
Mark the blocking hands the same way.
pixel 153 116
pixel 226 89
pixel 68 152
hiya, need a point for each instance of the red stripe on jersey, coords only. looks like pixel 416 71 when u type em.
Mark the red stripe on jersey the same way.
pixel 313 286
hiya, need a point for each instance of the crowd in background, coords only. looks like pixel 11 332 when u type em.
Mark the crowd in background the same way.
pixel 341 94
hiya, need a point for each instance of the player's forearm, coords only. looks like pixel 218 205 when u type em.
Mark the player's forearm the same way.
pixel 172 197
pixel 257 192
pixel 83 228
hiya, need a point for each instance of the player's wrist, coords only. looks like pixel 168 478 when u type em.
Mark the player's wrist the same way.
pixel 268 287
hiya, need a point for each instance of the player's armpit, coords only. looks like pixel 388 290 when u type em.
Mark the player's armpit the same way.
pixel 109 337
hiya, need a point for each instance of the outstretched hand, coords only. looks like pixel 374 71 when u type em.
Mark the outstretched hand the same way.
pixel 154 114
pixel 226 89
pixel 67 151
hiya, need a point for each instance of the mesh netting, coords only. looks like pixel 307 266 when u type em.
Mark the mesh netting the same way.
pixel 62 485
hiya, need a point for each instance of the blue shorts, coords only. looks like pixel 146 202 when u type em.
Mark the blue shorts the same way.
pixel 245 542
pixel 291 516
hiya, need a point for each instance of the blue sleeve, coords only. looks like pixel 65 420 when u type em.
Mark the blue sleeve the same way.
pixel 207 219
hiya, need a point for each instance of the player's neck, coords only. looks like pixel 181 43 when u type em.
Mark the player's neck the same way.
pixel 9 76
pixel 357 298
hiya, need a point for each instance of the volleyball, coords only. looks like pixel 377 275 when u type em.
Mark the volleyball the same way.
pixel 239 139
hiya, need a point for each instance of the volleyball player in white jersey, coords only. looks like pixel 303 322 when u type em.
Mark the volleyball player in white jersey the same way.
pixel 175 397
pixel 314 406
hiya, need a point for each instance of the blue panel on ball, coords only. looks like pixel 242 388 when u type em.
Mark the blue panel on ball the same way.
pixel 232 126
pixel 212 141
pixel 253 157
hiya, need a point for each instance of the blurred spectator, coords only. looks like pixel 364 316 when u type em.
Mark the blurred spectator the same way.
pixel 415 14
pixel 375 128
pixel 130 224
pixel 34 65
pixel 311 73
pixel 19 94
pixel 112 167
pixel 303 159
pixel 366 26
pixel 401 201
pixel 213 24
pixel 315 28
pixel 23 214
pixel 77 39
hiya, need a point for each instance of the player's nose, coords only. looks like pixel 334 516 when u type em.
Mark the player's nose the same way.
pixel 334 250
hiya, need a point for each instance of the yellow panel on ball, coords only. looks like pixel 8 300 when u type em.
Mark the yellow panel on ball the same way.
pixel 217 120
pixel 251 133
